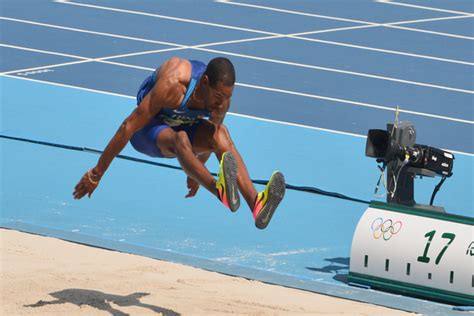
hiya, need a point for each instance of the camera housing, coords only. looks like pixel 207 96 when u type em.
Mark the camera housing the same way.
pixel 396 148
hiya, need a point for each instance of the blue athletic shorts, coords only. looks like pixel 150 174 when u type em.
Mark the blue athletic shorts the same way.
pixel 144 140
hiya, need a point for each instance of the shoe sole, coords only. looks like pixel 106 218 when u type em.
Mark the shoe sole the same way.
pixel 230 178
pixel 276 192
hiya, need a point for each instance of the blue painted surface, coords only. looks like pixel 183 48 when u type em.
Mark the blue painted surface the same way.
pixel 311 112
pixel 148 27
pixel 405 41
pixel 131 211
pixel 363 10
pixel 303 155
pixel 69 42
pixel 458 5
pixel 11 59
pixel 356 60
pixel 330 84
pixel 320 83
pixel 309 238
pixel 133 204
pixel 238 16
pixel 463 27
pixel 98 76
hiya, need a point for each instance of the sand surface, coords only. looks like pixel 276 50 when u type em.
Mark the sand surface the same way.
pixel 47 276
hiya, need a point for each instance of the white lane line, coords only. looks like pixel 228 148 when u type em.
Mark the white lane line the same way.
pixel 46 67
pixel 335 30
pixel 422 7
pixel 106 58
pixel 87 60
pixel 430 32
pixel 87 31
pixel 314 96
pixel 363 104
pixel 141 53
pixel 416 83
pixel 70 86
pixel 135 38
pixel 454 17
pixel 292 12
pixel 291 35
pixel 169 43
pixel 342 19
pixel 299 37
pixel 317 67
pixel 248 29
pixel 297 125
pixel 42 51
pixel 294 35
pixel 385 24
pixel 230 113
pixel 166 17
pixel 461 62
pixel 124 65
pixel 381 24
pixel 301 65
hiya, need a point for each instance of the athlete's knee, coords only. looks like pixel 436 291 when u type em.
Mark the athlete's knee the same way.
pixel 222 139
pixel 207 135
pixel 182 143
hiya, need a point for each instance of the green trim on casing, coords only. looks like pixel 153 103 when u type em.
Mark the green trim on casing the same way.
pixel 422 212
pixel 408 288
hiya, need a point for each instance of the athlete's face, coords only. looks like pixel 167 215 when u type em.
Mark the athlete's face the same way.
pixel 216 96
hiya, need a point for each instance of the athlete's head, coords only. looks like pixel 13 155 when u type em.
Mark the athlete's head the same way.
pixel 218 82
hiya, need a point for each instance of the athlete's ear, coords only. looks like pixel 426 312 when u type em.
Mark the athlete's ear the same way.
pixel 205 80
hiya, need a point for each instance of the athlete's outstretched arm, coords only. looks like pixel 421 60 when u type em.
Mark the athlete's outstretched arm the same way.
pixel 130 125
pixel 164 92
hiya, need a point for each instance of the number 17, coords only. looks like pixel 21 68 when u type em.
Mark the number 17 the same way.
pixel 424 258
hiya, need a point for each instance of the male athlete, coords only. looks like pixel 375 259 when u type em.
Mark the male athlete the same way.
pixel 181 108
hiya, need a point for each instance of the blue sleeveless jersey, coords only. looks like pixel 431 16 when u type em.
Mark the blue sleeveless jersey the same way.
pixel 182 115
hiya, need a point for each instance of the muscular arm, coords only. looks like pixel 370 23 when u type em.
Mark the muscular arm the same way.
pixel 166 92
pixel 134 122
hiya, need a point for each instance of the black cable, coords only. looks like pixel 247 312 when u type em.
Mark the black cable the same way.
pixel 436 189
pixel 148 162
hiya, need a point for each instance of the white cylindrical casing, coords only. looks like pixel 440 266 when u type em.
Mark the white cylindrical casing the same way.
pixel 413 250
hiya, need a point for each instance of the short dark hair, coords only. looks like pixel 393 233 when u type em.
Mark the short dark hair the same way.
pixel 220 69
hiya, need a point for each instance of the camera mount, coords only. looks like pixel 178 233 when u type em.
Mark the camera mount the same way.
pixel 403 160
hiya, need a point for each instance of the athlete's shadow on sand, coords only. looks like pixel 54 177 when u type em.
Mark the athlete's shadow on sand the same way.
pixel 335 266
pixel 102 301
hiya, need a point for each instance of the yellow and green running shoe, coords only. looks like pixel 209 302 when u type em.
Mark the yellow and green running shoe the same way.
pixel 267 201
pixel 226 184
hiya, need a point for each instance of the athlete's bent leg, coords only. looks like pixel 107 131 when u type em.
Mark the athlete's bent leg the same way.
pixel 216 138
pixel 177 144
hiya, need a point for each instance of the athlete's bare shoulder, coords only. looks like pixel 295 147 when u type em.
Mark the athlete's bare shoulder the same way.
pixel 172 79
pixel 175 71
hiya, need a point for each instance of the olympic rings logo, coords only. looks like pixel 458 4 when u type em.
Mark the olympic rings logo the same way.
pixel 385 229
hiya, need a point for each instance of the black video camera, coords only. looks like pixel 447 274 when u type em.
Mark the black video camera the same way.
pixel 404 160
pixel 380 145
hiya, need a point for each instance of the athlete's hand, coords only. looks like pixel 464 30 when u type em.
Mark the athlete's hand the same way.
pixel 86 185
pixel 193 187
